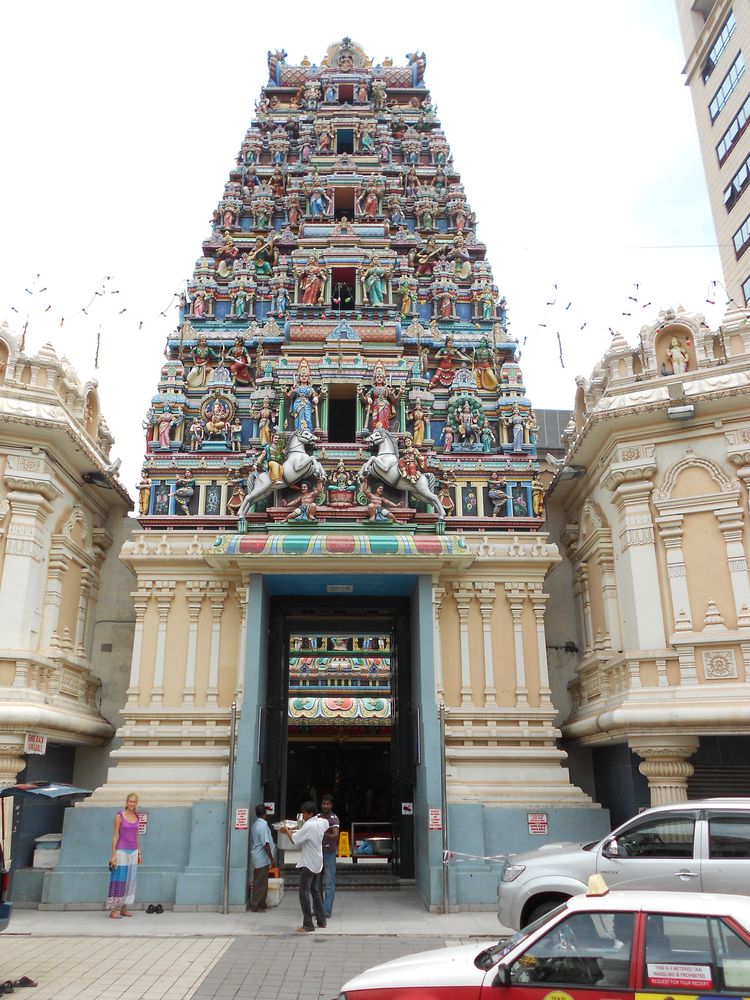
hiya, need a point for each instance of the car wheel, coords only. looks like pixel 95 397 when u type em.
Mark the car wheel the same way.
pixel 541 908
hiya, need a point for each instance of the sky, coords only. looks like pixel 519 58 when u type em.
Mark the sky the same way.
pixel 570 124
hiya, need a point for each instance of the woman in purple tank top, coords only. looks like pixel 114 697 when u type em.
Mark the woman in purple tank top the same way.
pixel 126 856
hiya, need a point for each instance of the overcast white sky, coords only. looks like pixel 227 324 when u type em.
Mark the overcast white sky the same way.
pixel 570 124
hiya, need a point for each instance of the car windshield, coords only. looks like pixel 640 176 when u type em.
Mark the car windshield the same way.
pixel 487 958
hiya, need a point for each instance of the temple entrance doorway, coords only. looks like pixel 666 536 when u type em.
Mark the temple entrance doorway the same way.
pixel 338 720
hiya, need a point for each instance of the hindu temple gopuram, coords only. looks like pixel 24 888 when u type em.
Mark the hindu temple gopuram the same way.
pixel 341 520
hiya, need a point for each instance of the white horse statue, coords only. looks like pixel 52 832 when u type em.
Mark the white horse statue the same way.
pixel 384 466
pixel 297 465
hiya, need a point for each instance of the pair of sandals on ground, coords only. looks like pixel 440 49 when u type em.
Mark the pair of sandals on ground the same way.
pixel 13 984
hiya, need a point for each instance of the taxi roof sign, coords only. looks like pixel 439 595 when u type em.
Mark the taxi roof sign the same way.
pixel 597 886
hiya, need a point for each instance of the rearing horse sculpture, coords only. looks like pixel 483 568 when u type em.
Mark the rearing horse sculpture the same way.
pixel 384 466
pixel 297 465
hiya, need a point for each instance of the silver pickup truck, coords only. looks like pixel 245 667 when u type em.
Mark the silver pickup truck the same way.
pixel 697 846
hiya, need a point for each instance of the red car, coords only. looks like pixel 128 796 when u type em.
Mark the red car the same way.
pixel 610 946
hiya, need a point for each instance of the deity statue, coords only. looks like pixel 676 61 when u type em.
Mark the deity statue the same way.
pixel 396 215
pixel 265 415
pixel 447 438
pixel 445 498
pixel 305 505
pixel 419 423
pixel 411 462
pixel 217 419
pixel 366 141
pixel 406 291
pixel 293 209
pixel 446 361
pixel 469 431
pixel 321 203
pixel 237 496
pixel 411 182
pixel 262 256
pixel 366 201
pixel 427 257
pixel 487 437
pixel 304 400
pixel 446 298
pixel 461 258
pixel 678 357
pixel 240 366
pixel 197 434
pixel 235 435
pixel 184 488
pixel 379 400
pixel 378 94
pixel 144 495
pixel 239 301
pixel 440 180
pixel 384 150
pixel 532 427
pixel 484 369
pixel 312 282
pixel 515 422
pixel 537 497
pixel 201 356
pixel 277 182
pixel 379 507
pixel 497 495
pixel 271 458
pixel 340 487
pixel 374 280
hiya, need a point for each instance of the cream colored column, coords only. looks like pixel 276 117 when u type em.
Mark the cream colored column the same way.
pixel 194 594
pixel 730 522
pixel 486 592
pixel 539 602
pixel 53 598
pixel 216 597
pixel 82 613
pixel 609 598
pixel 141 598
pixel 463 601
pixel 240 593
pixel 516 595
pixel 583 575
pixel 438 593
pixel 164 597
pixel 21 581
pixel 670 529
pixel 12 761
pixel 665 765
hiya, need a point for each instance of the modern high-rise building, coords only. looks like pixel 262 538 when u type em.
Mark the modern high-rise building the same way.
pixel 716 38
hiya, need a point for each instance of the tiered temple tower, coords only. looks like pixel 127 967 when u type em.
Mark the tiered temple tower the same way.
pixel 341 412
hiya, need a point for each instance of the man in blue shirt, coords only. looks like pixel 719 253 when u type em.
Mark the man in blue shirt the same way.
pixel 330 851
pixel 261 854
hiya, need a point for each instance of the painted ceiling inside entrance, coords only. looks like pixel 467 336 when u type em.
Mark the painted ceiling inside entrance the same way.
pixel 343 362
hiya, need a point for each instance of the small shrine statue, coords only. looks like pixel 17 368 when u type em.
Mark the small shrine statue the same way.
pixel 144 495
pixel 532 428
pixel 277 182
pixel 240 366
pixel 271 459
pixel 340 488
pixel 498 496
pixel 265 416
pixel 237 496
pixel 366 201
pixel 184 488
pixel 515 422
pixel 320 202
pixel 461 258
pixel 279 301
pixel 419 423
pixel 379 507
pixel 312 282
pixel 469 431
pixel 678 357
pixel 426 258
pixel 537 497
pixel 484 370
pixel 379 400
pixel 304 505
pixel 262 256
pixel 447 437
pixel 487 438
pixel 446 362
pixel 201 356
pixel 197 434
pixel 235 434
pixel 239 302
pixel 304 400
pixel 217 419
pixel 486 299
pixel 374 281
pixel 411 463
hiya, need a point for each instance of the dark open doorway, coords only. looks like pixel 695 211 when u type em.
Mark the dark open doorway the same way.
pixel 342 414
pixel 344 140
pixel 343 203
pixel 338 719
pixel 342 289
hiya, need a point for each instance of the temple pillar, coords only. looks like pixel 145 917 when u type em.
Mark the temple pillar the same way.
pixel 194 594
pixel 731 524
pixel 539 603
pixel 141 598
pixel 515 595
pixel 216 597
pixel 164 597
pixel 463 597
pixel 438 593
pixel 240 593
pixel 486 593
pixel 665 765
pixel 670 529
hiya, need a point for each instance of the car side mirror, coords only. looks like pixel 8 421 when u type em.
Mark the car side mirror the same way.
pixel 611 849
pixel 502 976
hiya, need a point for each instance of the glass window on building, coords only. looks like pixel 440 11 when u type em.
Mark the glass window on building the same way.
pixel 722 39
pixel 741 238
pixel 746 289
pixel 726 88
pixel 734 131
pixel 737 185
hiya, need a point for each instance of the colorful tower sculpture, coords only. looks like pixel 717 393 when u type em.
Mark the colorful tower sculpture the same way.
pixel 341 411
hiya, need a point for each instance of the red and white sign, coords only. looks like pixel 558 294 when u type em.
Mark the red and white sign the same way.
pixel 676 976
pixel 35 743
pixel 241 819
pixel 538 823
pixel 407 808
pixel 436 819
pixel 270 807
pixel 142 822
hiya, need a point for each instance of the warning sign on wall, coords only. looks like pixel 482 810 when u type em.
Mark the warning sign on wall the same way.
pixel 538 822
pixel 435 819
pixel 241 819
pixel 34 743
